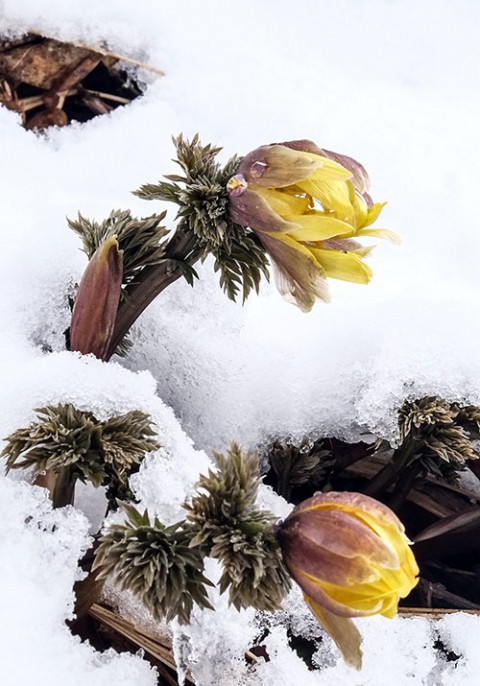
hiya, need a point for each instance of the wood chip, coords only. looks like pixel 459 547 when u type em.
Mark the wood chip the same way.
pixel 431 613
pixel 454 524
pixel 41 64
pixel 50 83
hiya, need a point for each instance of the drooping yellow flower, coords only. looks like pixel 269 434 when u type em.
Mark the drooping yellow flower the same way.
pixel 350 556
pixel 307 206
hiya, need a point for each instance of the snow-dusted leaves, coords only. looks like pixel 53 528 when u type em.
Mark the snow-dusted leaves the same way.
pixel 65 437
pixel 200 192
pixel 156 563
pixel 443 434
pixel 227 524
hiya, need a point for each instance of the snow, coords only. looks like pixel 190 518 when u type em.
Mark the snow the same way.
pixel 388 82
pixel 38 567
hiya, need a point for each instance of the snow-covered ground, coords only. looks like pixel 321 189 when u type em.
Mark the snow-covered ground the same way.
pixel 392 83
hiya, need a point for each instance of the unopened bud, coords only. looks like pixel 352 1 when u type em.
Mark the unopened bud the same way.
pixel 349 554
pixel 96 305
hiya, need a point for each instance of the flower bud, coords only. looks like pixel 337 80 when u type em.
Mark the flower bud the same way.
pixel 96 305
pixel 349 554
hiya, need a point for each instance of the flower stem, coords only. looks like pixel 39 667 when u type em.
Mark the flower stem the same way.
pixel 60 485
pixel 386 476
pixel 404 486
pixel 152 281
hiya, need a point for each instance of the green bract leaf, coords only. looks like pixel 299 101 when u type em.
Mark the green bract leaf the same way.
pixel 224 521
pixel 202 199
pixel 141 240
pixel 156 563
pixel 104 453
pixel 443 434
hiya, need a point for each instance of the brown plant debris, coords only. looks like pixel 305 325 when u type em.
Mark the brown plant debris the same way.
pixel 51 83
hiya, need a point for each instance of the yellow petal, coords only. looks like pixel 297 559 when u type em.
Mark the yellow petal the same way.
pixel 390 608
pixel 363 600
pixel 361 209
pixel 347 266
pixel 318 226
pixel 342 630
pixel 333 195
pixel 373 212
pixel 359 174
pixel 286 205
pixel 329 169
pixel 250 208
pixel 364 251
pixel 380 233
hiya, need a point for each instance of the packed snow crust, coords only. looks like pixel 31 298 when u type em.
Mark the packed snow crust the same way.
pixel 387 82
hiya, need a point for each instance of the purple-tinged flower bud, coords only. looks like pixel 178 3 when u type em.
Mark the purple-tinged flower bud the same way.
pixel 351 558
pixel 303 202
pixel 96 304
pixel 349 553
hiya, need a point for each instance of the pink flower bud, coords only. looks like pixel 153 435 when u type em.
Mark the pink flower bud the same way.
pixel 96 304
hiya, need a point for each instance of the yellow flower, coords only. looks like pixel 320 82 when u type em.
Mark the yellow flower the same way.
pixel 350 556
pixel 274 193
